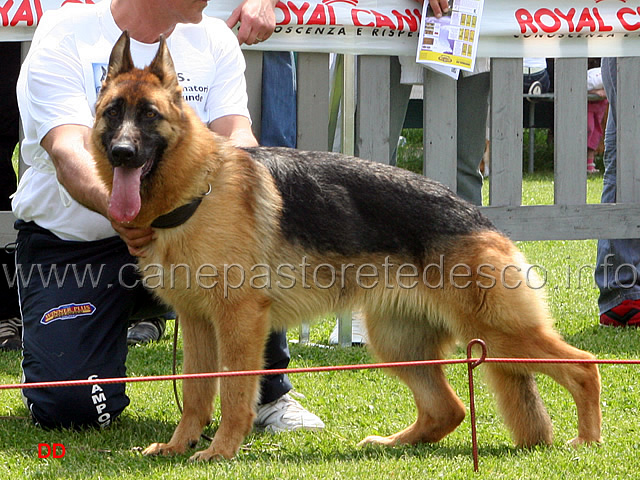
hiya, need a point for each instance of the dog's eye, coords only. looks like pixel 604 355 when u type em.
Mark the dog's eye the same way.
pixel 112 112
pixel 150 114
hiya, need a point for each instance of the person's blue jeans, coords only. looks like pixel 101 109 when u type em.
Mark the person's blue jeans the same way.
pixel 279 107
pixel 278 129
pixel 617 264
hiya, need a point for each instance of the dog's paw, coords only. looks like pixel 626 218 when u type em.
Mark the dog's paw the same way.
pixel 579 441
pixel 162 449
pixel 376 440
pixel 209 455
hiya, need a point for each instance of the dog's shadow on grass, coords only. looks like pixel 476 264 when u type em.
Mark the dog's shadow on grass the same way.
pixel 260 448
pixel 308 448
pixel 353 453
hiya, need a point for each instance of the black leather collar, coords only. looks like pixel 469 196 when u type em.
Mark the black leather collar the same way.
pixel 180 215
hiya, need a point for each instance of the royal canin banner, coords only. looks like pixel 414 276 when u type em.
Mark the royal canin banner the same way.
pixel 509 28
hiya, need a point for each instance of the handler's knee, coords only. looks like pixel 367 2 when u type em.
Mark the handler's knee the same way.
pixel 76 407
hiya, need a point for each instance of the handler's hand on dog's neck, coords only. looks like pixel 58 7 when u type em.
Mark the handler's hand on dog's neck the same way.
pixel 137 239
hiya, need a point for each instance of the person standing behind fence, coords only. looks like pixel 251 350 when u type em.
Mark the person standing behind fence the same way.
pixel 473 108
pixel 276 412
pixel 616 273
pixel 597 106
pixel 472 112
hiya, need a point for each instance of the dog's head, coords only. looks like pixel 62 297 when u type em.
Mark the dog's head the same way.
pixel 139 114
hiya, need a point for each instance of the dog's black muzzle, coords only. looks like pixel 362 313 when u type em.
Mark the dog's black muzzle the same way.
pixel 124 155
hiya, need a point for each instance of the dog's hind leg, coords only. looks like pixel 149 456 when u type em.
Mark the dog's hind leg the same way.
pixel 200 356
pixel 440 411
pixel 519 399
pixel 515 323
pixel 519 402
pixel 521 328
pixel 583 382
pixel 504 306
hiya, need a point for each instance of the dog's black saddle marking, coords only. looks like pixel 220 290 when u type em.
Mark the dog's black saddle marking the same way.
pixel 346 205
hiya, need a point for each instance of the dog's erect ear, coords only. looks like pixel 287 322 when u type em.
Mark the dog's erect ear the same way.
pixel 120 60
pixel 162 65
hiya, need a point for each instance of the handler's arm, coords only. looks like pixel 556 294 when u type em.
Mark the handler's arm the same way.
pixel 237 128
pixel 67 145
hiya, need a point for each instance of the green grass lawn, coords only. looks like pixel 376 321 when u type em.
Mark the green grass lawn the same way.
pixel 359 403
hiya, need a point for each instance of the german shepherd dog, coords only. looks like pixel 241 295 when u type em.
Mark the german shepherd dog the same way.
pixel 286 235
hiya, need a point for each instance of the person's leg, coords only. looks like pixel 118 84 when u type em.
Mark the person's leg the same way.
pixel 473 96
pixel 617 262
pixel 277 356
pixel 277 410
pixel 278 127
pixel 593 138
pixel 595 113
pixel 400 96
pixel 76 301
pixel 591 126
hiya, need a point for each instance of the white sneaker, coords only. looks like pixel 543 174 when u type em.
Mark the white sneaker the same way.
pixel 285 415
pixel 358 331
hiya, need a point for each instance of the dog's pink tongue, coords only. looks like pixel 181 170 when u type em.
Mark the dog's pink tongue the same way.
pixel 124 204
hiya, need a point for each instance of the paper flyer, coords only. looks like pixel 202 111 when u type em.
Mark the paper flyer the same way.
pixel 449 44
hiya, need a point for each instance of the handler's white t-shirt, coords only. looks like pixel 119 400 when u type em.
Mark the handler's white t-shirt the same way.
pixel 59 83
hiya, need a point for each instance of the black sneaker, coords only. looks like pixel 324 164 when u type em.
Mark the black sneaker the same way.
pixel 11 334
pixel 145 331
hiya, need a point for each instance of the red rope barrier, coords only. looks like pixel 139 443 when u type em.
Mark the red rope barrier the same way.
pixel 155 378
pixel 471 363
pixel 369 366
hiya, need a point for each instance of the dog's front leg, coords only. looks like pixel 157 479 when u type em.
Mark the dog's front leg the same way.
pixel 200 356
pixel 237 414
pixel 242 333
